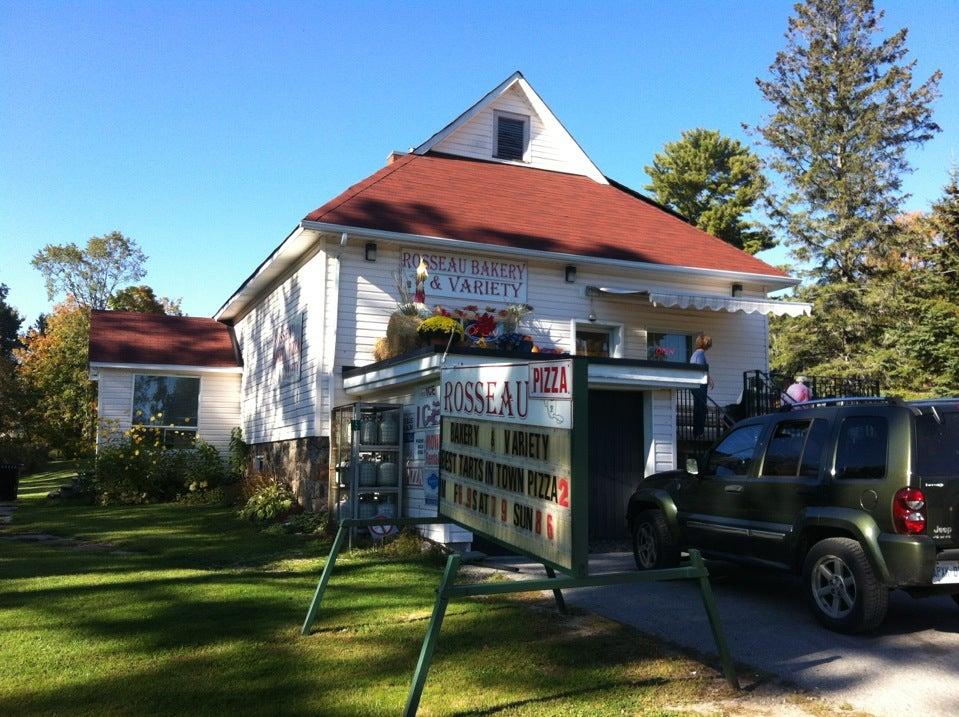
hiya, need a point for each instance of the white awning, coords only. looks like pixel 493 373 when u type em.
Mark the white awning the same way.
pixel 708 302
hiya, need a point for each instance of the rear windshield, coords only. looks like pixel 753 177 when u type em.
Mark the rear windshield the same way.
pixel 937 444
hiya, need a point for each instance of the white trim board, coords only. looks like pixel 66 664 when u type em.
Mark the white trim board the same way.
pixel 172 369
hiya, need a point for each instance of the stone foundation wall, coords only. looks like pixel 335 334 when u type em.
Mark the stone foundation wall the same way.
pixel 301 463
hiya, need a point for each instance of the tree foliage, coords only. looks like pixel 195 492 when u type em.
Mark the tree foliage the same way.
pixel 10 322
pixel 141 298
pixel 713 181
pixel 900 324
pixel 90 274
pixel 844 112
pixel 61 399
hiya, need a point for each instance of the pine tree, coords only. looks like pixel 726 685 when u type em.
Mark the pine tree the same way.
pixel 844 113
pixel 713 181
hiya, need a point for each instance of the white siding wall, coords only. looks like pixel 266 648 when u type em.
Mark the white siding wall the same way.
pixel 114 402
pixel 739 340
pixel 219 409
pixel 360 296
pixel 271 412
pixel 550 146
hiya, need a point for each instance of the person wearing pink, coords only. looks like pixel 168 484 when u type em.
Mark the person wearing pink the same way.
pixel 799 392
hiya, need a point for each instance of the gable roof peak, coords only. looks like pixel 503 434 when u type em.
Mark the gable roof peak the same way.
pixel 549 144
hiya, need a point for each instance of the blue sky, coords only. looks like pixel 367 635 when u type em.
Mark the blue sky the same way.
pixel 206 130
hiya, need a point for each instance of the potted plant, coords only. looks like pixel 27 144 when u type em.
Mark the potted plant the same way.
pixel 515 341
pixel 512 317
pixel 441 330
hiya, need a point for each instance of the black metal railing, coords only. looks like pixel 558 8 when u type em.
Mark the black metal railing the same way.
pixel 716 419
pixel 764 392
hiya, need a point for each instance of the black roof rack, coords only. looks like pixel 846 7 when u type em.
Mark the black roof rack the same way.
pixel 844 401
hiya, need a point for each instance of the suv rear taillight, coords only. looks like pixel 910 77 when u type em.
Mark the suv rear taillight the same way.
pixel 909 511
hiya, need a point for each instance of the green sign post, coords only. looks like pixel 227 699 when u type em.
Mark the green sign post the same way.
pixel 514 468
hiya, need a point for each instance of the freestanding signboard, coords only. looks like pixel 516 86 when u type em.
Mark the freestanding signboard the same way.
pixel 514 468
pixel 511 466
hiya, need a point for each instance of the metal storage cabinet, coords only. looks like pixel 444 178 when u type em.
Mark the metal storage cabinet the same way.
pixel 366 461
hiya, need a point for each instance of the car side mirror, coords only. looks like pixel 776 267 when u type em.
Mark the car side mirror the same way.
pixel 692 466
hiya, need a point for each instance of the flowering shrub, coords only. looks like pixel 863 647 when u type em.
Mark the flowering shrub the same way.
pixel 135 468
pixel 441 326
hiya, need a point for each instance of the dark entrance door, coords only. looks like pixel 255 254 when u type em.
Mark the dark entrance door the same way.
pixel 616 460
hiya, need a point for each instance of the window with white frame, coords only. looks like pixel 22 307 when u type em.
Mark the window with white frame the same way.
pixel 511 138
pixel 603 340
pixel 168 407
pixel 671 347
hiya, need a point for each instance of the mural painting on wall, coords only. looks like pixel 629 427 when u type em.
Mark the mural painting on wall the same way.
pixel 287 348
pixel 421 438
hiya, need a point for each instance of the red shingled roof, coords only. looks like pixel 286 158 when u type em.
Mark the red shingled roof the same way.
pixel 492 203
pixel 129 337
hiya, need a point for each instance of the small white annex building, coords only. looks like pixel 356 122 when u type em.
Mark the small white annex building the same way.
pixel 504 207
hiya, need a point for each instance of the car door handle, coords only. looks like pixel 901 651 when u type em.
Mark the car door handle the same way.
pixel 733 489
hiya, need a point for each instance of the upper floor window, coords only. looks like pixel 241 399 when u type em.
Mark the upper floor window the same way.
pixel 675 348
pixel 512 137
pixel 167 406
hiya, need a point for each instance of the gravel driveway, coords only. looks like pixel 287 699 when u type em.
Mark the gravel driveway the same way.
pixel 910 666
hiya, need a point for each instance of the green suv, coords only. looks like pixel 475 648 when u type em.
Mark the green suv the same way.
pixel 859 496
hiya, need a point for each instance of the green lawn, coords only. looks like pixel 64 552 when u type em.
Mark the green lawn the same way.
pixel 203 616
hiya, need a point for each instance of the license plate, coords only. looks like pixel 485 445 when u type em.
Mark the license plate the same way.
pixel 947 571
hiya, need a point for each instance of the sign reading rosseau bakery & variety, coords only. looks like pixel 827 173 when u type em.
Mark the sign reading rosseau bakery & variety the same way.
pixel 468 277
pixel 507 457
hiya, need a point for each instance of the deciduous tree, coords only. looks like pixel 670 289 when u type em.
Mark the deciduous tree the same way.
pixel 90 274
pixel 713 181
pixel 142 298
pixel 53 368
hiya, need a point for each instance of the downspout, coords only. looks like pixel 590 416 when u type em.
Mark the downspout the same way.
pixel 332 319
pixel 321 387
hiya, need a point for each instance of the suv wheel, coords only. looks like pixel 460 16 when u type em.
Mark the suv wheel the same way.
pixel 653 545
pixel 842 588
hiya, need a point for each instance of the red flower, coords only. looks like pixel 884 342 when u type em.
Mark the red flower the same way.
pixel 483 326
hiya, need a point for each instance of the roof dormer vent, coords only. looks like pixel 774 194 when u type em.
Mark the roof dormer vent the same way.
pixel 512 137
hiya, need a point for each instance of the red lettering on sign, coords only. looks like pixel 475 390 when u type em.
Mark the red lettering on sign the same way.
pixel 539 522
pixel 563 485
pixel 549 526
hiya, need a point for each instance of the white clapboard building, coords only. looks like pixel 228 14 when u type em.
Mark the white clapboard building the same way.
pixel 505 207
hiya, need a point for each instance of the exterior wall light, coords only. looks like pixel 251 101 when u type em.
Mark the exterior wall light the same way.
pixel 370 251
pixel 737 290
pixel 570 274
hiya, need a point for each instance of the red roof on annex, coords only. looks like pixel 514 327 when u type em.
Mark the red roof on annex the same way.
pixel 506 205
pixel 129 337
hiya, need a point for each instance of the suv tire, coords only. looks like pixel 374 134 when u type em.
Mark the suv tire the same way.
pixel 654 547
pixel 842 588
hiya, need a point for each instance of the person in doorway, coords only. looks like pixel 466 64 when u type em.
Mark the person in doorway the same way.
pixel 798 391
pixel 703 344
